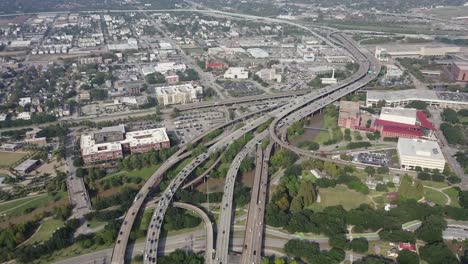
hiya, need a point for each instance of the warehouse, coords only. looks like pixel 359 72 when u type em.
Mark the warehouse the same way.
pixel 420 153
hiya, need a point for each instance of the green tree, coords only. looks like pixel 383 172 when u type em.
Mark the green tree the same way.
pixel 437 254
pixel 407 257
pixel 359 245
pixel 370 170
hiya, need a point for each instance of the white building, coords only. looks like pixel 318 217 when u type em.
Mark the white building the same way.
pixel 24 116
pixel 24 101
pixel 399 115
pixel 164 67
pixel 331 80
pixel 236 73
pixel 393 72
pixel 258 53
pixel 269 75
pixel 178 94
pixel 422 153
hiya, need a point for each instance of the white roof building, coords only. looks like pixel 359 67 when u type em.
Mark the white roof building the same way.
pixel 393 72
pixel 3 117
pixel 399 115
pixel 269 75
pixel 258 53
pixel 236 73
pixel 145 137
pixel 422 153
pixel 24 101
pixel 89 146
pixel 164 67
pixel 24 116
pixel 178 94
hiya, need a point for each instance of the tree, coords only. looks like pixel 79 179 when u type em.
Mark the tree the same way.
pixel 370 170
pixel 338 241
pixel 437 254
pixel 359 245
pixel 382 170
pixel 307 192
pixel 463 199
pixel 374 259
pixel 155 78
pixel 449 115
pixel 431 229
pixel 296 204
pixel 407 257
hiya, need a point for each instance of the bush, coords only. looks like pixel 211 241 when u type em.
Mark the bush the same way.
pixel 358 144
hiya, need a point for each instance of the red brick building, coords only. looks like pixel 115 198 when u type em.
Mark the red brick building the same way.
pixel 215 65
pixel 459 71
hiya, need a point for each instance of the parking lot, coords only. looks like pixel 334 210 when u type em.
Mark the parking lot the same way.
pixel 240 89
pixel 372 158
pixel 191 124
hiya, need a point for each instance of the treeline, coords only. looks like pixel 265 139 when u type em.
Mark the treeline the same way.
pixel 139 161
pixel 310 252
pixel 61 238
pixel 182 256
pixel 197 197
pixel 177 218
pixel 36 119
pixel 124 198
pixel 453 133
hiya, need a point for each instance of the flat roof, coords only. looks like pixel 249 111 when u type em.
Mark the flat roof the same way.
pixel 25 165
pixel 89 146
pixel 417 94
pixel 348 109
pixel 406 112
pixel 144 137
pixel 426 149
pixel 462 65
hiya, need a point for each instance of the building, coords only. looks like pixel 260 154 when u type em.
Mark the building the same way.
pixel 215 65
pixel 164 67
pixel 3 117
pixel 84 95
pixel 27 166
pixel 331 80
pixel 349 115
pixel 414 51
pixel 9 147
pixel 23 101
pixel 111 143
pixel 24 116
pixel 420 153
pixel 393 72
pixel 459 71
pixel 132 44
pixel 172 79
pixel 403 122
pixel 406 246
pixel 269 75
pixel 258 53
pixel 178 94
pixel 236 73
pixel 431 97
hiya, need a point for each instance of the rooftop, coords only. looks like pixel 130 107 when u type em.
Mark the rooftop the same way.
pixel 406 112
pixel 144 137
pixel 417 94
pixel 25 165
pixel 349 109
pixel 462 66
pixel 420 148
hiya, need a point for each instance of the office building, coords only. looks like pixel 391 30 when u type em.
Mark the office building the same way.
pixel 236 73
pixel 178 94
pixel 420 153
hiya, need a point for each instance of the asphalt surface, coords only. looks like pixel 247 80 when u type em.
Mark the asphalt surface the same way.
pixel 225 218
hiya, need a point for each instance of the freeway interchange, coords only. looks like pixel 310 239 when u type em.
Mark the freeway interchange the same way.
pixel 283 116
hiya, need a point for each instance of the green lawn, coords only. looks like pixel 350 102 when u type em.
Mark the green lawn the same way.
pixel 434 184
pixel 95 223
pixel 453 194
pixel 46 230
pixel 70 252
pixel 435 196
pixel 340 195
pixel 14 203
pixel 10 158
pixel 329 121
pixel 144 173
pixel 19 208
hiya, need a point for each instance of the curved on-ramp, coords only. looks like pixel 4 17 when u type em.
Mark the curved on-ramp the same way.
pixel 209 228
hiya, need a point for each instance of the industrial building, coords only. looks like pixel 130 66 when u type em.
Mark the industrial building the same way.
pixel 27 166
pixel 178 94
pixel 403 122
pixel 111 143
pixel 236 73
pixel 349 115
pixel 269 75
pixel 459 71
pixel 413 51
pixel 433 98
pixel 258 53
pixel 420 153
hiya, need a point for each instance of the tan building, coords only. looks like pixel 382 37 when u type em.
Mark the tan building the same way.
pixel 178 94
pixel 349 115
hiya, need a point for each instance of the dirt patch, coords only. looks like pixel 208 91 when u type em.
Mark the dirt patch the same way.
pixel 49 168
pixel 212 185
pixel 457 247
pixel 248 179
pixel 315 121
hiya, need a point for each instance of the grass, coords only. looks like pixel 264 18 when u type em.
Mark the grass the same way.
pixel 329 121
pixel 450 12
pixel 95 223
pixel 46 230
pixel 435 196
pixel 18 207
pixel 453 194
pixel 340 195
pixel 70 252
pixel 144 173
pixel 437 185
pixel 8 159
pixel 13 203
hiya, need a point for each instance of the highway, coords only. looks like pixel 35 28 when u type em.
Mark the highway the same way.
pixel 295 110
pixel 253 235
pixel 209 229
pixel 225 218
